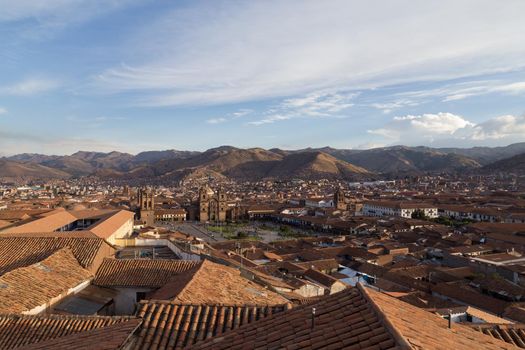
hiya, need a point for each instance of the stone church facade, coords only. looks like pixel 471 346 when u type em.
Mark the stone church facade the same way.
pixel 212 205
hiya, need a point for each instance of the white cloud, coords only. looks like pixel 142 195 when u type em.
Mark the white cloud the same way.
pixel 370 145
pixel 50 14
pixel 270 119
pixel 3 110
pixel 319 104
pixel 445 129
pixel 514 88
pixel 502 127
pixel 463 90
pixel 441 123
pixel 388 107
pixel 29 87
pixel 493 87
pixel 229 51
pixel 216 120
pixel 242 113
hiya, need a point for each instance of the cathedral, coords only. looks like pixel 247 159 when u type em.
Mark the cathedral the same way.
pixel 212 205
pixel 146 202
pixel 339 200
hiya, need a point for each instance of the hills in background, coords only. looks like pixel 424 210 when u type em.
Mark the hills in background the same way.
pixel 258 163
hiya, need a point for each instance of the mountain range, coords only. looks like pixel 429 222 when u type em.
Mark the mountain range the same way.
pixel 258 163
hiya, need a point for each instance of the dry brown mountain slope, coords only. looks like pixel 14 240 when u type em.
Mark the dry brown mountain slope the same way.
pixel 12 169
pixel 308 165
pixel 219 159
pixel 406 159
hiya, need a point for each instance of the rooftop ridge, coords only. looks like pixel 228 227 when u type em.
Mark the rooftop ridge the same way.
pixel 117 334
pixel 175 302
pixel 400 339
pixel 65 317
pixel 194 271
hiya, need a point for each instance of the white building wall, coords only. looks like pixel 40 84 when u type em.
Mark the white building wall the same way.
pixel 126 299
pixel 122 232
pixel 374 210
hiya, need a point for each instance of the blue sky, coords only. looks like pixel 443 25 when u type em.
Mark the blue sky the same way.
pixel 134 75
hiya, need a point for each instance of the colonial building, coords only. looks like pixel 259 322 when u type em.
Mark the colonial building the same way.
pixel 170 215
pixel 401 209
pixel 339 200
pixel 212 205
pixel 146 202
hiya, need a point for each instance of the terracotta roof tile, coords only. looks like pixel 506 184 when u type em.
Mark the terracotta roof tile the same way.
pixel 511 333
pixel 166 324
pixel 48 223
pixel 229 287
pixel 25 249
pixel 471 297
pixel 20 330
pixel 425 330
pixel 112 337
pixel 342 320
pixel 139 272
pixel 319 277
pixel 356 318
pixel 105 228
pixel 25 288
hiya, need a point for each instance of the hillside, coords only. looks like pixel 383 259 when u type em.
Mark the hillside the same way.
pixel 407 159
pixel 258 163
pixel 155 156
pixel 306 165
pixel 514 164
pixel 487 155
pixel 220 159
pixel 13 169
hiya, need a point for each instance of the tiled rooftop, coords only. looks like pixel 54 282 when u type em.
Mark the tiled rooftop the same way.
pixel 357 318
pixel 113 337
pixel 20 330
pixel 511 333
pixel 171 325
pixel 212 283
pixel 49 223
pixel 26 288
pixel 139 272
pixel 343 320
pixel 25 249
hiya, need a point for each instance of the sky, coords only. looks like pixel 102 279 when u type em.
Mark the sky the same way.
pixel 136 75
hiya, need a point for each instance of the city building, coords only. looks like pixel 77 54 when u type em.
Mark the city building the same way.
pixel 395 208
pixel 146 202
pixel 212 205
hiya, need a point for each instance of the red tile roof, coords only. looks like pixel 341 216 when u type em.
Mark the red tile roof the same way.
pixel 511 333
pixel 49 223
pixel 26 288
pixel 139 272
pixel 20 330
pixel 19 250
pixel 113 337
pixel 107 227
pixel 229 287
pixel 357 318
pixel 171 325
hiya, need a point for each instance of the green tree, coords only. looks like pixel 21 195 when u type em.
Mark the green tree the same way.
pixel 419 214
